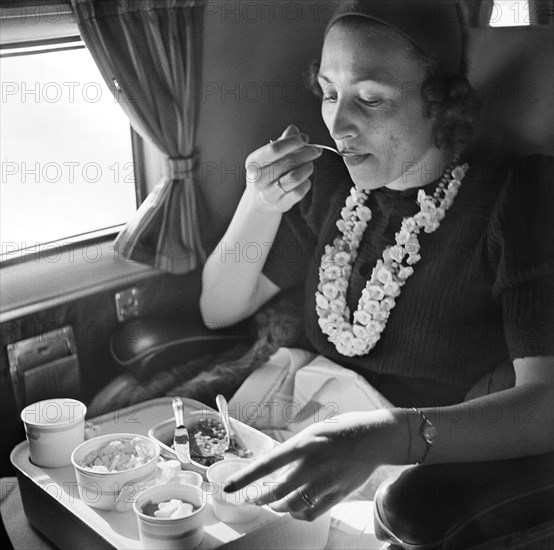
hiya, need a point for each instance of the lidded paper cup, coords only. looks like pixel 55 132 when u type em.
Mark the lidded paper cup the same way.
pixel 54 427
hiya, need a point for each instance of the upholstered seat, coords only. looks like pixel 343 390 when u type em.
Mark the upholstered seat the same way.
pixel 512 69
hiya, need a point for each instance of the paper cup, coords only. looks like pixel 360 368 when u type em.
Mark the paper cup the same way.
pixel 231 507
pixel 54 427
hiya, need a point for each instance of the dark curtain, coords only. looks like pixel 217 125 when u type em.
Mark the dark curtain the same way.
pixel 148 52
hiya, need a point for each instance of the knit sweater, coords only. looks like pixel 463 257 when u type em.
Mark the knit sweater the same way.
pixel 481 294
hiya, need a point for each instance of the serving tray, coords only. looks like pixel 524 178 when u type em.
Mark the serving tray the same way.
pixel 51 501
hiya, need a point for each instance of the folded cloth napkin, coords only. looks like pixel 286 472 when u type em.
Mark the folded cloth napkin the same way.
pixel 295 388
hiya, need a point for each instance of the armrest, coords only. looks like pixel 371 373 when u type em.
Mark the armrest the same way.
pixel 452 506
pixel 145 345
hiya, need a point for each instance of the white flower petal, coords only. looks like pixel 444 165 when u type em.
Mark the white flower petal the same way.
pixel 362 317
pixel 358 344
pixel 384 275
pixel 376 292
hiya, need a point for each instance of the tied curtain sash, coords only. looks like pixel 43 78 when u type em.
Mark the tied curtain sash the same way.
pixel 148 53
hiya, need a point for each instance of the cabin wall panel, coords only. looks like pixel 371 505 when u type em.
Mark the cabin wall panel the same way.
pixel 255 58
pixel 94 321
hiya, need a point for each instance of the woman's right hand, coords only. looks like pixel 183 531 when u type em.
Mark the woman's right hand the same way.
pixel 277 174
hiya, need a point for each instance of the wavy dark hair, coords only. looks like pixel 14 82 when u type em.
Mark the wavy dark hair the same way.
pixel 448 100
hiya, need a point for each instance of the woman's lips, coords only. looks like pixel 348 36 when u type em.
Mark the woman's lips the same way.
pixel 355 159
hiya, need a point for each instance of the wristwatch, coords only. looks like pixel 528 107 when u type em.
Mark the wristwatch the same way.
pixel 428 432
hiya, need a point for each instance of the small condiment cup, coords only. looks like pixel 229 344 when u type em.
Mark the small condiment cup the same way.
pixel 190 478
pixel 54 428
pixel 232 507
pixel 169 471
pixel 166 533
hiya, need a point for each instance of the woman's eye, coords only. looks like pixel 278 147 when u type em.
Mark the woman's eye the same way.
pixel 371 102
pixel 329 97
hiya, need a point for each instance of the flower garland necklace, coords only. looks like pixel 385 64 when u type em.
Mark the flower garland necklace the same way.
pixel 388 275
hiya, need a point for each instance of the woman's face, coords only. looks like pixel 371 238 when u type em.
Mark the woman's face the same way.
pixel 372 106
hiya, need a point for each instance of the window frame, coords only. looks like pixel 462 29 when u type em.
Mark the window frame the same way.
pixel 50 45
pixel 541 13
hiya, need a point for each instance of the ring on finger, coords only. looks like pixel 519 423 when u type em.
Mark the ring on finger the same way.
pixel 307 499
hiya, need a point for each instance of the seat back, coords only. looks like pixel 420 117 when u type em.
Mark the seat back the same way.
pixel 512 69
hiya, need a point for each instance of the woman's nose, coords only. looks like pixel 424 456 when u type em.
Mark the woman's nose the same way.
pixel 339 121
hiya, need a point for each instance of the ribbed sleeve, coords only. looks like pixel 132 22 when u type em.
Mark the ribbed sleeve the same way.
pixel 528 311
pixel 291 252
pixel 521 248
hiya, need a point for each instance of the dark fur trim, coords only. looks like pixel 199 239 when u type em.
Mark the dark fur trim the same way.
pixel 223 372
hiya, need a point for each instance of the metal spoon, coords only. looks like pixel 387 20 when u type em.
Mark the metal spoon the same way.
pixel 223 409
pixel 337 152
pixel 331 149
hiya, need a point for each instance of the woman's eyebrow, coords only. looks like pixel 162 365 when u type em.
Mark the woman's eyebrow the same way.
pixel 373 78
pixel 322 77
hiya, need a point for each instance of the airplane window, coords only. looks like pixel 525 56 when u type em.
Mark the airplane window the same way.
pixel 66 155
pixel 510 13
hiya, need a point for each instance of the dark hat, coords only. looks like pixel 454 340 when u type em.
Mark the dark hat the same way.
pixel 434 26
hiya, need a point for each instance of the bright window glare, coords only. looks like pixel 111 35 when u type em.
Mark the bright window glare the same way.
pixel 65 150
pixel 510 13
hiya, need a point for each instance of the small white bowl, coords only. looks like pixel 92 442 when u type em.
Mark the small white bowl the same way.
pixel 163 432
pixel 167 533
pixel 101 489
pixel 231 507
pixel 258 442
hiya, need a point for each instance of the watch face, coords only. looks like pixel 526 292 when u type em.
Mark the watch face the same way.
pixel 429 432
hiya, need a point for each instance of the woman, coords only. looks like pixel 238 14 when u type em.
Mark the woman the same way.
pixel 442 252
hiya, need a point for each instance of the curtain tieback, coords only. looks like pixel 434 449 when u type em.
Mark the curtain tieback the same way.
pixel 180 167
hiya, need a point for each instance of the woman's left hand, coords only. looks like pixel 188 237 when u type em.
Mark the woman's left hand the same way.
pixel 324 463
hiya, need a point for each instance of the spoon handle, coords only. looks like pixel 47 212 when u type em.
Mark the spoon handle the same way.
pixel 339 153
pixel 320 146
pixel 234 440
pixel 324 147
pixel 223 409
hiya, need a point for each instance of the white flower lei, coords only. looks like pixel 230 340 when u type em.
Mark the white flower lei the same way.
pixel 388 275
